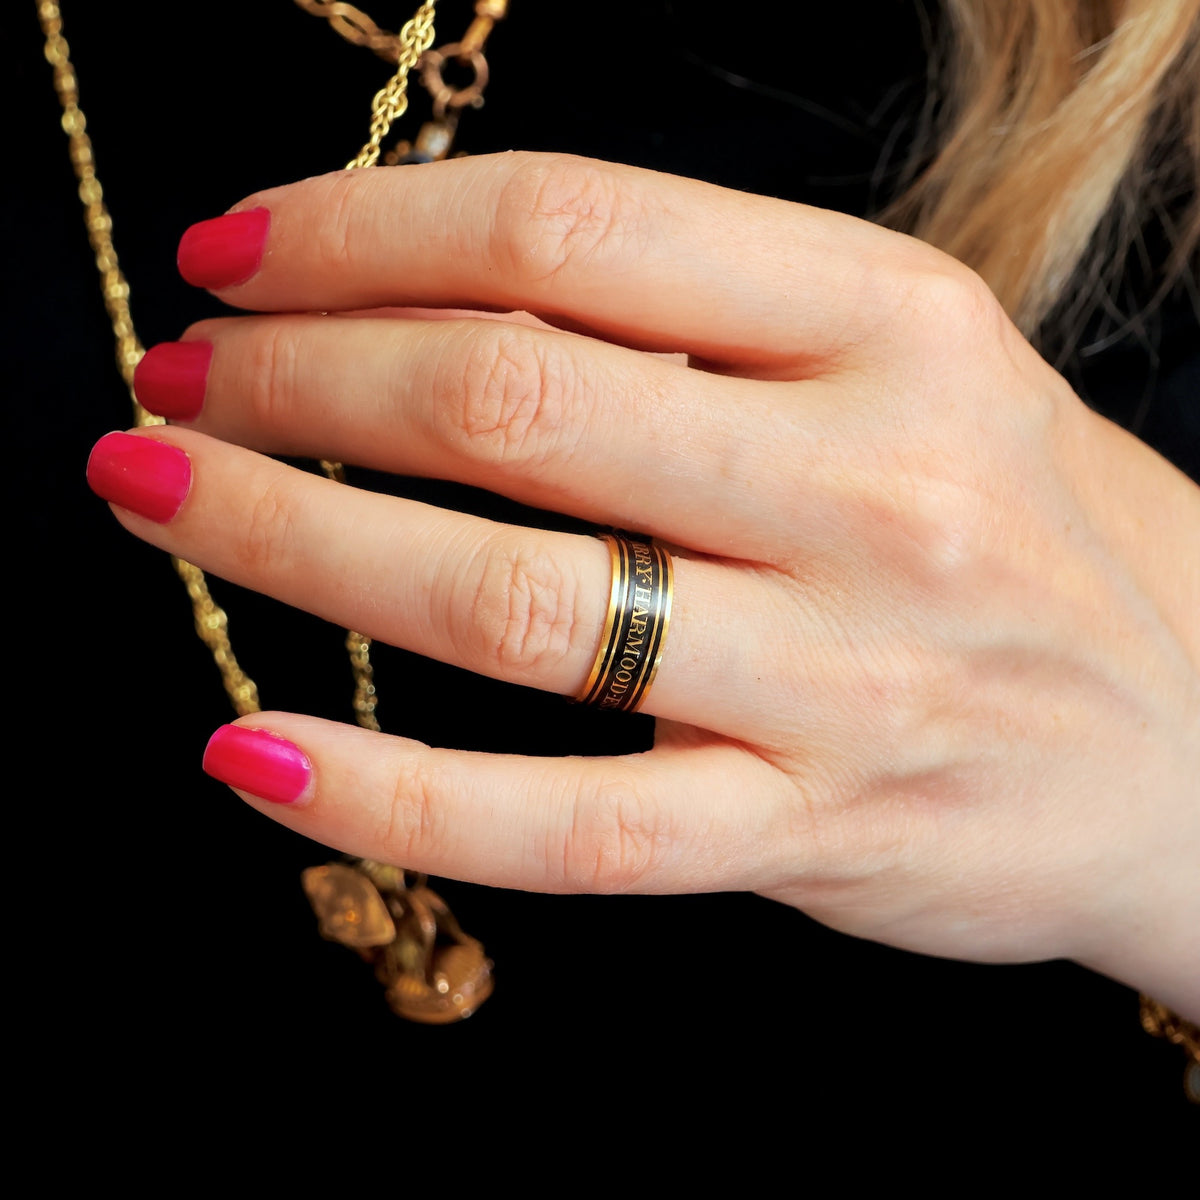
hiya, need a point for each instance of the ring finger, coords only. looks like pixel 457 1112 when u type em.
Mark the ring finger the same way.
pixel 523 605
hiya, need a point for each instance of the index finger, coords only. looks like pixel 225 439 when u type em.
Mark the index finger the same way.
pixel 649 260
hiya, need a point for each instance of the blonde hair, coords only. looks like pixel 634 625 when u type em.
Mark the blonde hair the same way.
pixel 1065 125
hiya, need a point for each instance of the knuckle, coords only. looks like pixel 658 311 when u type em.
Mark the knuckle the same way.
pixel 929 523
pixel 522 607
pixel 944 525
pixel 557 214
pixel 270 533
pixel 615 839
pixel 505 402
pixel 339 214
pixel 272 371
pixel 943 302
pixel 414 828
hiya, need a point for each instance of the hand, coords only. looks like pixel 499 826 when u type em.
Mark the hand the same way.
pixel 933 674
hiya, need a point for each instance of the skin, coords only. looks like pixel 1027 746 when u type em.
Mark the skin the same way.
pixel 937 625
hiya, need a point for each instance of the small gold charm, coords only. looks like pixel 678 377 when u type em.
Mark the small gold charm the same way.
pixel 348 906
pixel 434 973
pixel 446 976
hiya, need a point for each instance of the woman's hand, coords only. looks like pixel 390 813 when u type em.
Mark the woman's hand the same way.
pixel 933 674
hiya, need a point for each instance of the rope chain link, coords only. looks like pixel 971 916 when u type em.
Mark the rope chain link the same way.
pixel 391 101
pixel 212 625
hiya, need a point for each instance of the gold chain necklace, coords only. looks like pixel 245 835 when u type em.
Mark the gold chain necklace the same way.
pixel 433 972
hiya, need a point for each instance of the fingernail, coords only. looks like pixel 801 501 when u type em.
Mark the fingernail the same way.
pixel 258 762
pixel 171 379
pixel 141 474
pixel 225 250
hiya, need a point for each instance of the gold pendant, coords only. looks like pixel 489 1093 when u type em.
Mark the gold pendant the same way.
pixel 434 973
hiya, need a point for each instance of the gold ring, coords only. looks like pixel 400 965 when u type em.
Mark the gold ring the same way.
pixel 639 611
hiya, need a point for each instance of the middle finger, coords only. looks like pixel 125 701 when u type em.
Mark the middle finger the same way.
pixel 551 419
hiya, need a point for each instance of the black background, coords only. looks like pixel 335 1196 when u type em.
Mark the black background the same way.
pixel 164 939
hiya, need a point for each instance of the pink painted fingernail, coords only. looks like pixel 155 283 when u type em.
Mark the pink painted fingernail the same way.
pixel 224 251
pixel 171 379
pixel 258 762
pixel 141 474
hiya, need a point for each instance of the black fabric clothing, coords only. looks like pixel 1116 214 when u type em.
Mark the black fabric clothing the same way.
pixel 185 950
